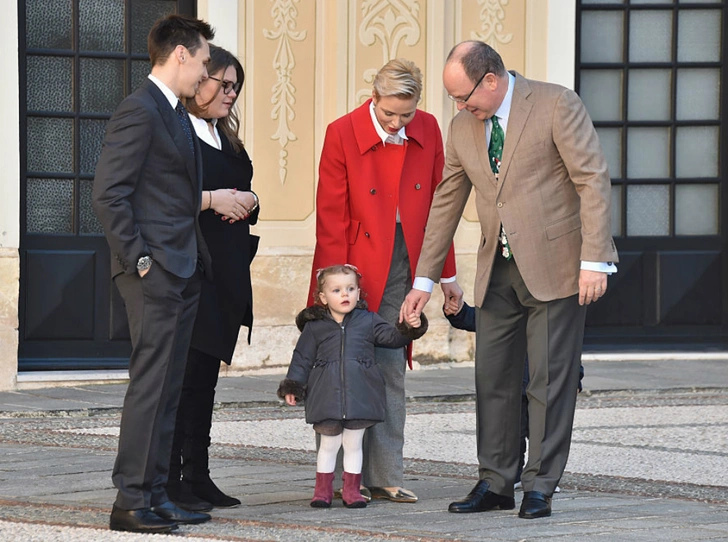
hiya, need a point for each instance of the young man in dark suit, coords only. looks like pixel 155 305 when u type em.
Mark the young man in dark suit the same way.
pixel 147 194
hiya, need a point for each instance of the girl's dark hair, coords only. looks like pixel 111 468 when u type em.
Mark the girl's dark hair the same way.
pixel 220 60
pixel 321 274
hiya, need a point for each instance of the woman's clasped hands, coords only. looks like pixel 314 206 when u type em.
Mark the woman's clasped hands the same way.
pixel 232 204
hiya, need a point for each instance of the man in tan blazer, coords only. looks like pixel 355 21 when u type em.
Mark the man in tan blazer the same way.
pixel 544 254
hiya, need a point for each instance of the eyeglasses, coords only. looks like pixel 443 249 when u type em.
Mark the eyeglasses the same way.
pixel 227 86
pixel 463 100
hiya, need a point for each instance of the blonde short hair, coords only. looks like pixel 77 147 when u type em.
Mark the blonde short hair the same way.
pixel 400 78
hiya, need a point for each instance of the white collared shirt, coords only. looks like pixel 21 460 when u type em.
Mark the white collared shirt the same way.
pixel 171 96
pixel 503 111
pixel 202 130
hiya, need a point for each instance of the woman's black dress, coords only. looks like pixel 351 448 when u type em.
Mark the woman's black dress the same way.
pixel 226 303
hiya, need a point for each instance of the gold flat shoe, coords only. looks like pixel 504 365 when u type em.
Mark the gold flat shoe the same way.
pixel 400 495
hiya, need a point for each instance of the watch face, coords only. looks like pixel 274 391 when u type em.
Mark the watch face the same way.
pixel 145 262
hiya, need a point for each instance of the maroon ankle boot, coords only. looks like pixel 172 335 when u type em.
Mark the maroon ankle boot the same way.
pixel 324 490
pixel 350 493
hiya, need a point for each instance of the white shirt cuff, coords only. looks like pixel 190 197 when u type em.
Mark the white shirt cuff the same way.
pixel 602 267
pixel 449 279
pixel 424 284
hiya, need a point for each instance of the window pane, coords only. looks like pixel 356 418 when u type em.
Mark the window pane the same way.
pixel 143 15
pixel 698 94
pixel 649 95
pixel 49 85
pixel 102 85
pixel 698 35
pixel 602 34
pixel 648 210
pixel 601 91
pixel 696 209
pixel 50 144
pixel 139 71
pixel 101 25
pixel 49 206
pixel 648 153
pixel 696 151
pixel 617 211
pixel 587 2
pixel 48 24
pixel 611 140
pixel 88 223
pixel 650 36
pixel 92 135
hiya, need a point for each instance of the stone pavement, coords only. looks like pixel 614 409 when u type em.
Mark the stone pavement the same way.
pixel 649 461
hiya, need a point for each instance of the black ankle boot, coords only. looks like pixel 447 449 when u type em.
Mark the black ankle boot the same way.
pixel 180 493
pixel 204 488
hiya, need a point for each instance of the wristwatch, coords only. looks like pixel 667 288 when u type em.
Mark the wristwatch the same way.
pixel 144 263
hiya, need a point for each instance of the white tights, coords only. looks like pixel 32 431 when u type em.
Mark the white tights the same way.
pixel 329 449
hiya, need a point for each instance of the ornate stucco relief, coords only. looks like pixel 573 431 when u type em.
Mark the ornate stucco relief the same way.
pixel 492 13
pixel 391 22
pixel 283 98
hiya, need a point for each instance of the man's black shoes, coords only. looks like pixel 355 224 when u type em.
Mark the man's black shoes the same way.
pixel 535 505
pixel 481 499
pixel 172 512
pixel 142 520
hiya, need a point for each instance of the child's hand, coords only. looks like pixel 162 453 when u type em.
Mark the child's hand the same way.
pixel 290 399
pixel 413 320
pixel 453 305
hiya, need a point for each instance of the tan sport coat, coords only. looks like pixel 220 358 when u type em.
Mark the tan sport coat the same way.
pixel 553 195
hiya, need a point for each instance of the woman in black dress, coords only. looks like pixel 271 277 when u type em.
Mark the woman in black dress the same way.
pixel 229 208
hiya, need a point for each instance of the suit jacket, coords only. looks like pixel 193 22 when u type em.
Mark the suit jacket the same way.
pixel 356 210
pixel 148 186
pixel 553 196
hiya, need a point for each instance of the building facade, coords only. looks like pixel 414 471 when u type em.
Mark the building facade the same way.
pixel 650 72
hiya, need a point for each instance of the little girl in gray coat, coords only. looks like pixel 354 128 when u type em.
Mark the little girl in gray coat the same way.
pixel 333 369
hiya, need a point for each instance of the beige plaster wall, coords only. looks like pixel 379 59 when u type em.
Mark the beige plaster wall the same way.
pixel 9 203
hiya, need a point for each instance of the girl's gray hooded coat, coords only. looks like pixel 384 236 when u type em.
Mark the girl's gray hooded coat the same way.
pixel 333 365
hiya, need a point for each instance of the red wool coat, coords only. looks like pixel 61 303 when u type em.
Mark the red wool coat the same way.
pixel 356 207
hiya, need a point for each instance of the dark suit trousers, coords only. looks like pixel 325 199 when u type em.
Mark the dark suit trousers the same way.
pixel 161 309
pixel 509 322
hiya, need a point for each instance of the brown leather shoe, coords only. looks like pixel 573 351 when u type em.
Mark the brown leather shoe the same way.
pixel 142 520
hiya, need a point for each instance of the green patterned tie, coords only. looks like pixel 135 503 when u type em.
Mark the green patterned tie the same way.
pixel 495 151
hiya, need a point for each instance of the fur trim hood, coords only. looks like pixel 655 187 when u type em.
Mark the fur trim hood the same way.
pixel 319 312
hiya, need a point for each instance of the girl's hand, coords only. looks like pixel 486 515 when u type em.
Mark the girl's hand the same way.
pixel 290 399
pixel 453 305
pixel 413 320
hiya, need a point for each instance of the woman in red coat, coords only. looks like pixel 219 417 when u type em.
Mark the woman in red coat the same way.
pixel 379 168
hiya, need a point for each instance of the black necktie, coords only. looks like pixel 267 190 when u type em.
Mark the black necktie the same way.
pixel 185 121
